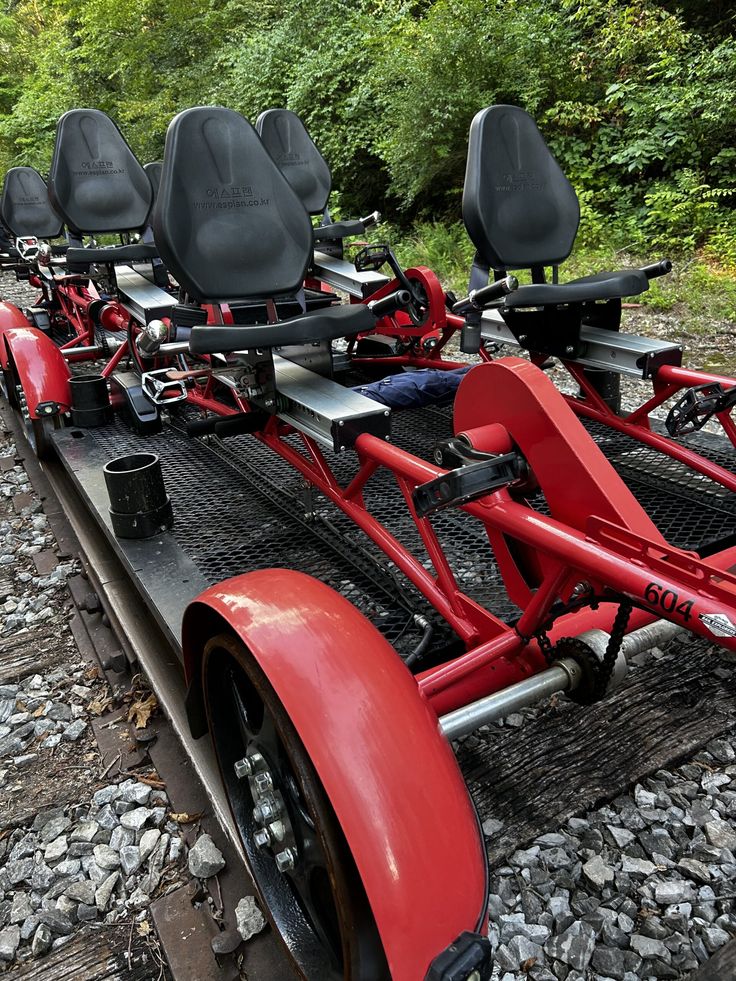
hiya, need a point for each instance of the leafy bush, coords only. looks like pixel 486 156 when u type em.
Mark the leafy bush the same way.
pixel 637 101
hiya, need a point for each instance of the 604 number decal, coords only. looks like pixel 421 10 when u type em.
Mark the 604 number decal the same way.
pixel 667 599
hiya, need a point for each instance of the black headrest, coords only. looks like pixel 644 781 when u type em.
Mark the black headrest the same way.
pixel 227 223
pixel 153 169
pixel 286 138
pixel 518 207
pixel 96 183
pixel 26 208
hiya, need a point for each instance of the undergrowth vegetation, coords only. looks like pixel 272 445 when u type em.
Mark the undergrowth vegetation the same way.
pixel 637 101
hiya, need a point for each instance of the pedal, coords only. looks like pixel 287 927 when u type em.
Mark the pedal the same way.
pixel 162 390
pixel 466 483
pixel 371 258
pixel 697 406
pixel 27 247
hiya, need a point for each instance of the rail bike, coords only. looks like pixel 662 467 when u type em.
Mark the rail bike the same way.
pixel 361 546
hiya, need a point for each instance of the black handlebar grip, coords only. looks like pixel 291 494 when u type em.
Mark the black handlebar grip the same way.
pixel 660 268
pixel 478 299
pixel 390 304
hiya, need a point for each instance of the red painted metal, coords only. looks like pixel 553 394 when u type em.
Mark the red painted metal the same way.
pixel 10 318
pixel 399 325
pixel 495 665
pixel 114 317
pixel 41 368
pixel 375 745
pixel 658 442
pixel 575 476
pixel 686 377
pixel 115 360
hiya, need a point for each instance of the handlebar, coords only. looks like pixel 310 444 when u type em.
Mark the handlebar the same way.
pixel 372 219
pixel 660 268
pixel 479 299
pixel 390 304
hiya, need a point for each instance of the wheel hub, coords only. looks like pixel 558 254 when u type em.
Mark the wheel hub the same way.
pixel 273 832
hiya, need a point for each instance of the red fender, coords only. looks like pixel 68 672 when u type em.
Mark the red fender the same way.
pixel 10 317
pixel 390 775
pixel 42 370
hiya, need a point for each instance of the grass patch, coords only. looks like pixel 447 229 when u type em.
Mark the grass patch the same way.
pixel 699 289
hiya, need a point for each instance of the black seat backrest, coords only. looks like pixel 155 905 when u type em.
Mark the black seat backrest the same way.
pixel 518 207
pixel 286 138
pixel 96 183
pixel 227 223
pixel 25 207
pixel 153 169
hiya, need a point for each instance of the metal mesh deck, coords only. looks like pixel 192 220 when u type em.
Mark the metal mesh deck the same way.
pixel 240 507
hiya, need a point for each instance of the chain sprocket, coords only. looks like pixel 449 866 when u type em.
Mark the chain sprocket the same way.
pixel 597 672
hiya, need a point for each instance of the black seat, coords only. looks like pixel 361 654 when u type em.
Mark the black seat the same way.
pixel 295 153
pixel 96 183
pixel 153 170
pixel 137 252
pixel 322 325
pixel 521 212
pixel 25 206
pixel 518 207
pixel 601 286
pixel 230 228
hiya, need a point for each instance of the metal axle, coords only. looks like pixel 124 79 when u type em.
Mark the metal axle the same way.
pixel 564 675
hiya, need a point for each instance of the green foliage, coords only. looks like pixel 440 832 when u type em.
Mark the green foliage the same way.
pixel 637 100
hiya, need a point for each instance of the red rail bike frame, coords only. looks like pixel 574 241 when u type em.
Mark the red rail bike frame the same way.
pixel 614 549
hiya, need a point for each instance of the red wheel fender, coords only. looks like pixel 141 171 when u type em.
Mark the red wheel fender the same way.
pixel 10 317
pixel 390 775
pixel 42 370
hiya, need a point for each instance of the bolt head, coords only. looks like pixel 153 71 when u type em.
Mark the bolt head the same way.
pixel 243 768
pixel 263 782
pixel 266 810
pixel 285 860
pixel 262 838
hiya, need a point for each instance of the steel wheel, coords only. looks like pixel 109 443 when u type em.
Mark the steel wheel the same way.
pixel 7 385
pixel 38 431
pixel 299 858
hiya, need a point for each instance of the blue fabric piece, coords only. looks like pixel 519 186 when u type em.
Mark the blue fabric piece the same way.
pixel 415 389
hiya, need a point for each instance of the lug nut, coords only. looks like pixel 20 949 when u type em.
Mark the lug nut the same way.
pixel 266 810
pixel 249 765
pixel 285 860
pixel 262 838
pixel 263 782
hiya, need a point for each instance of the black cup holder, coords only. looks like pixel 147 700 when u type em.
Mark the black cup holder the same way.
pixel 90 401
pixel 139 504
